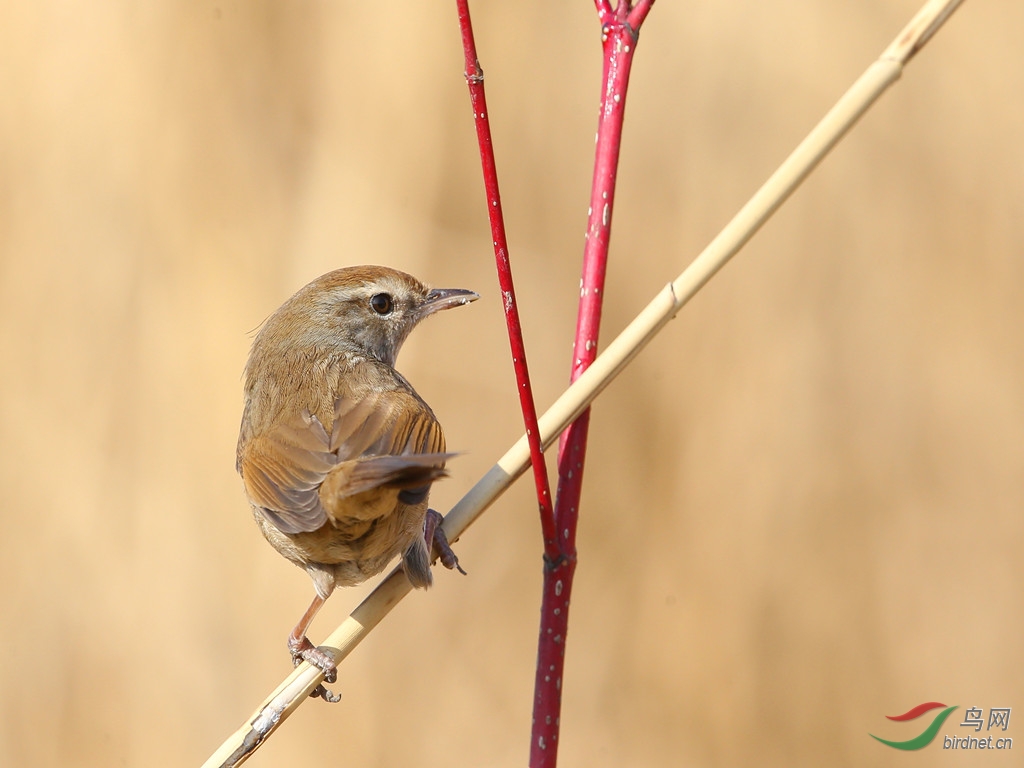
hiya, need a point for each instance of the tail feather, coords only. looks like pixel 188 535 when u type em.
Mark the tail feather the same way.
pixel 410 471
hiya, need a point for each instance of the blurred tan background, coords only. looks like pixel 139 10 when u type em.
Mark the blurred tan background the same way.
pixel 803 502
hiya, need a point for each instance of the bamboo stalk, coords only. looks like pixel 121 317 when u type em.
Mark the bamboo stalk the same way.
pixel 665 305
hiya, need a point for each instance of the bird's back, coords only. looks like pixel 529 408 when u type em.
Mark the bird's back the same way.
pixel 342 484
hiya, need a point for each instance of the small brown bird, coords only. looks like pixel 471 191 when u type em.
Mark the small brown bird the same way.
pixel 336 450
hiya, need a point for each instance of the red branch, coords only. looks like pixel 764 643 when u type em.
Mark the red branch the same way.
pixel 619 29
pixel 475 80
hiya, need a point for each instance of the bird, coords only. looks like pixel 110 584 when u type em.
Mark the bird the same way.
pixel 336 450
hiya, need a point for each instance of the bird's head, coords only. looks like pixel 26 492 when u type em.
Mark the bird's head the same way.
pixel 366 311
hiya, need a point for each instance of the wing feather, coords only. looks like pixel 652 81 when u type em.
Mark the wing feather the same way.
pixel 284 468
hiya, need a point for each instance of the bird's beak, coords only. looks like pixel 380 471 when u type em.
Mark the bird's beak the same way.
pixel 446 298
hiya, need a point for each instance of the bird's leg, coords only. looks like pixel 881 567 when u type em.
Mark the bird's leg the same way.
pixel 303 650
pixel 435 537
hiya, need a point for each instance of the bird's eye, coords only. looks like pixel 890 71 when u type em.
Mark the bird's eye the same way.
pixel 382 303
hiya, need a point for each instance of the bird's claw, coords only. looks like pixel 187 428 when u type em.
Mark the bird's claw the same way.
pixel 437 539
pixel 321 692
pixel 304 650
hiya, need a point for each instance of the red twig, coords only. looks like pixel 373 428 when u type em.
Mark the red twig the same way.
pixel 619 28
pixel 475 81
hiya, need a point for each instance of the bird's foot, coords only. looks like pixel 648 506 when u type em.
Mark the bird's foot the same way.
pixel 435 537
pixel 304 650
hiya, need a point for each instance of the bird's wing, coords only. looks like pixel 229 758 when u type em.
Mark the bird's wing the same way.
pixel 284 468
pixel 390 423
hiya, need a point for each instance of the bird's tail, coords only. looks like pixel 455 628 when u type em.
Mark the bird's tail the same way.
pixel 413 473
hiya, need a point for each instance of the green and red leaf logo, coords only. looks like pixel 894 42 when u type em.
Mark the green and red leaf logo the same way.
pixel 925 737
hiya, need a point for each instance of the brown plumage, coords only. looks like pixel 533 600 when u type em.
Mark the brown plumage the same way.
pixel 336 450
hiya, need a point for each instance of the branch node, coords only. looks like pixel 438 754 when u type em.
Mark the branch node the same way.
pixel 554 563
